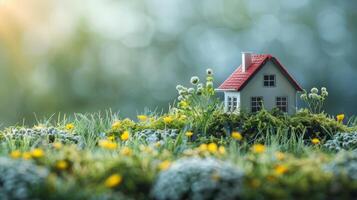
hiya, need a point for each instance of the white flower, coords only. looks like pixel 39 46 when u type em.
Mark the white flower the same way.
pixel 199 91
pixel 324 93
pixel 194 80
pixel 303 96
pixel 179 87
pixel 200 85
pixel 209 71
pixel 314 96
pixel 180 98
pixel 314 90
pixel 191 90
pixel 323 89
pixel 181 92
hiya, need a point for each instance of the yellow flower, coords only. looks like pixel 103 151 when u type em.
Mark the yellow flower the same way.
pixel 15 154
pixel 62 165
pixel 237 136
pixel 26 156
pixel 111 138
pixel 116 125
pixel 142 118
pixel 168 119
pixel 113 180
pixel 37 153
pixel 280 169
pixel 279 155
pixel 212 147
pixel 106 144
pixel 203 147
pixel 125 136
pixel 189 133
pixel 183 104
pixel 340 117
pixel 315 141
pixel 183 117
pixel 222 150
pixel 126 151
pixel 157 144
pixel 69 127
pixel 164 165
pixel 258 148
pixel 57 145
pixel 39 126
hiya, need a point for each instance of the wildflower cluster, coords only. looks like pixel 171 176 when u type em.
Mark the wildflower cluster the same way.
pixel 33 154
pixel 314 100
pixel 120 129
pixel 189 97
pixel 198 102
pixel 205 150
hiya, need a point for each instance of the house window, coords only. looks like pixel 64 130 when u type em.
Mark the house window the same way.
pixel 232 103
pixel 269 80
pixel 282 103
pixel 256 103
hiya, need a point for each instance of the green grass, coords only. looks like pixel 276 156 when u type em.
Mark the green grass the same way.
pixel 89 165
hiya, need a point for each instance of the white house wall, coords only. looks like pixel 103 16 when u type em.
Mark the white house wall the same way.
pixel 255 87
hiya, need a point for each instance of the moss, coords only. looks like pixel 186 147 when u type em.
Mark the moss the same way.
pixel 316 125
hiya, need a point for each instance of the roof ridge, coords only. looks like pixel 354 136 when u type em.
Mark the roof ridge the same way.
pixel 238 79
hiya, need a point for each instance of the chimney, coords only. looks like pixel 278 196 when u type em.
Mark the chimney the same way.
pixel 246 60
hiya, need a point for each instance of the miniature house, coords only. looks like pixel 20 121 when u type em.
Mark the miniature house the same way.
pixel 261 81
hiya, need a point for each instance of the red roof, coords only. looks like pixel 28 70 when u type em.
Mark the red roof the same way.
pixel 238 79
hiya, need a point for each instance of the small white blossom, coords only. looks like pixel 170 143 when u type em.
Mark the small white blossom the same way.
pixel 314 90
pixel 303 96
pixel 194 80
pixel 209 71
pixel 199 91
pixel 191 90
pixel 179 87
pixel 324 93
pixel 180 98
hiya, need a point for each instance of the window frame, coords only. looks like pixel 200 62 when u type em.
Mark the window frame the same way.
pixel 255 104
pixel 232 103
pixel 280 103
pixel 271 79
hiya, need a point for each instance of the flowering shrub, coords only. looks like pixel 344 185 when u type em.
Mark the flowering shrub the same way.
pixel 314 100
pixel 196 178
pixel 342 141
pixel 20 179
pixel 198 103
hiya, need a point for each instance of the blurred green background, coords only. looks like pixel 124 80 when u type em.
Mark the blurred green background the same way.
pixel 83 56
